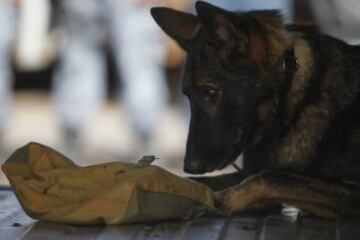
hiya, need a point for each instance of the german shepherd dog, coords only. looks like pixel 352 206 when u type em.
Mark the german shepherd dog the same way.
pixel 287 97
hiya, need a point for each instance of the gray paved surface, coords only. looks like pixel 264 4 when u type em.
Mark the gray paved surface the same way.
pixel 14 224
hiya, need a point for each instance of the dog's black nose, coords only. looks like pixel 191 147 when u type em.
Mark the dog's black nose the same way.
pixel 194 167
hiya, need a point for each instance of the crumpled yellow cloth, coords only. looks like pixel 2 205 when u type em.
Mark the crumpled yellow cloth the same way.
pixel 50 187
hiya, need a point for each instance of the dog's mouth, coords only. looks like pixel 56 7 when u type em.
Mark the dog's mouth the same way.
pixel 238 136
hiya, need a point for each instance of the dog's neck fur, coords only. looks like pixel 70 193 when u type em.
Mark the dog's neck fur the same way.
pixel 309 116
pixel 298 145
pixel 298 141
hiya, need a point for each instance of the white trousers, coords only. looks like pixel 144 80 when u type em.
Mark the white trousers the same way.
pixel 79 84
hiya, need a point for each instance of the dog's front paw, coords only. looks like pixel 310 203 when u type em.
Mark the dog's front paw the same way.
pixel 232 200
pixel 241 198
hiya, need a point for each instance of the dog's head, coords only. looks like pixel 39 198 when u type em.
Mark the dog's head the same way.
pixel 226 78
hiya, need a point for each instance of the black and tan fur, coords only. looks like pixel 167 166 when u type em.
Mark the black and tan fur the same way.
pixel 299 136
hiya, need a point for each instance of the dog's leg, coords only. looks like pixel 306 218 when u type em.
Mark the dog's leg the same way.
pixel 321 198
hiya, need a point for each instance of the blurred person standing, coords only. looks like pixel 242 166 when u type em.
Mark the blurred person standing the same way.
pixel 79 82
pixel 7 33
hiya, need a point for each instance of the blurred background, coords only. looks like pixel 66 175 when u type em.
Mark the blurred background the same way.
pixel 98 81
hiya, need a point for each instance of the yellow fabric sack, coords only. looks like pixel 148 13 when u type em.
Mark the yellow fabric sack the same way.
pixel 50 187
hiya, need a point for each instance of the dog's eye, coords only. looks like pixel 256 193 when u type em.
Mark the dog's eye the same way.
pixel 210 93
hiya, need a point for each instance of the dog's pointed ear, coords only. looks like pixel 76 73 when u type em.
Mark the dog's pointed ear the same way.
pixel 216 21
pixel 182 27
